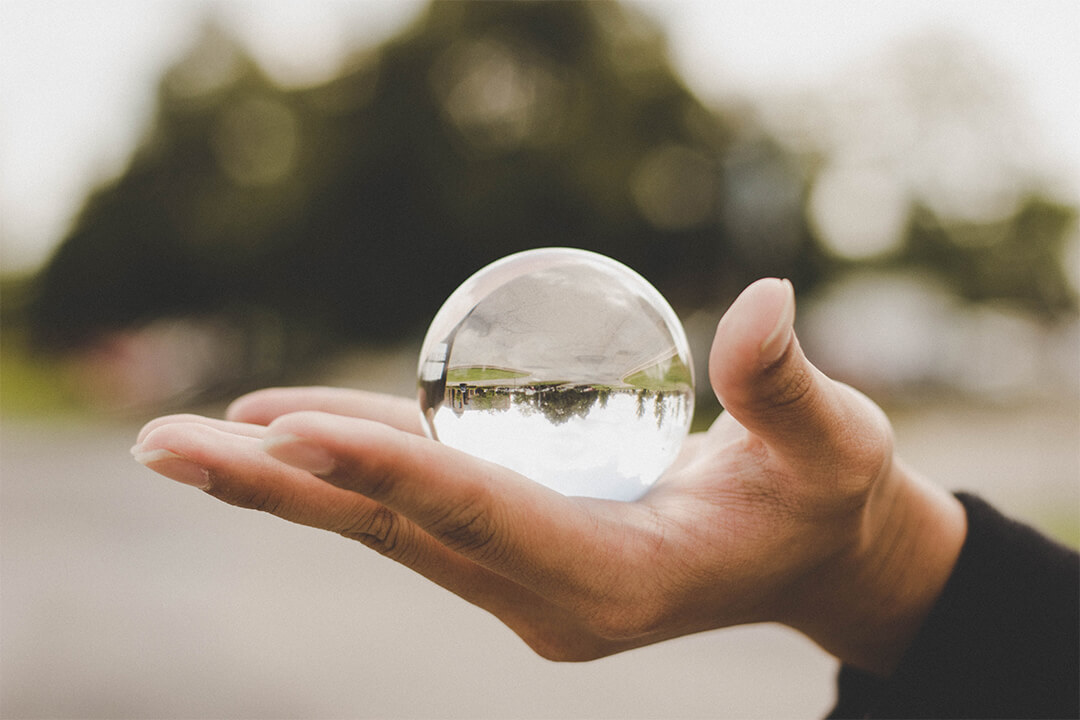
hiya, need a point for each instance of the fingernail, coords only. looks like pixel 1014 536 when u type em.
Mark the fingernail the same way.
pixel 173 466
pixel 300 453
pixel 776 342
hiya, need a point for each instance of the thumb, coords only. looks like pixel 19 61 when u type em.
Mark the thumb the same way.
pixel 762 378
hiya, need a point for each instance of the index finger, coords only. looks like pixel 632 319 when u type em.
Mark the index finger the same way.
pixel 564 549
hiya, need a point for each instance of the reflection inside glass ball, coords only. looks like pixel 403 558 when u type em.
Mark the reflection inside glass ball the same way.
pixel 563 365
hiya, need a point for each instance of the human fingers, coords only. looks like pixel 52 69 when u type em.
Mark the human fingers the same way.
pixel 571 551
pixel 236 428
pixel 763 379
pixel 234 469
pixel 263 406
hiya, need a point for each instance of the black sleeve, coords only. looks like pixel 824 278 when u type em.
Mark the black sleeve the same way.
pixel 1002 641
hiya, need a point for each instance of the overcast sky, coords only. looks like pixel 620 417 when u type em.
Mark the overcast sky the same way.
pixel 77 77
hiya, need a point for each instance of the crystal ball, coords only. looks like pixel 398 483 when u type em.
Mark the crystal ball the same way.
pixel 563 365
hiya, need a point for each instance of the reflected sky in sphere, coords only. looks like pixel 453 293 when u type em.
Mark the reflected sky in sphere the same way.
pixel 564 366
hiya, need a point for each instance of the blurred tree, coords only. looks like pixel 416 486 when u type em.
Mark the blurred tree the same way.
pixel 352 209
pixel 930 163
pixel 1017 258
pixel 355 207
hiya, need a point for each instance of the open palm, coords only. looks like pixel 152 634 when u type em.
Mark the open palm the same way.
pixel 783 511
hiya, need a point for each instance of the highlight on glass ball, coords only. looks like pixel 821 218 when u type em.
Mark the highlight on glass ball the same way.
pixel 562 365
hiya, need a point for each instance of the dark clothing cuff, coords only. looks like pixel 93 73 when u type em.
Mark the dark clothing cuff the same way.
pixel 1002 641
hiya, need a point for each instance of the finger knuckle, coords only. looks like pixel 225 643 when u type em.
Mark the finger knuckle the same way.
pixel 378 528
pixel 791 390
pixel 869 454
pixel 470 529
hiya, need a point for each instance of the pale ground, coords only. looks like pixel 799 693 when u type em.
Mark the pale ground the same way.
pixel 124 595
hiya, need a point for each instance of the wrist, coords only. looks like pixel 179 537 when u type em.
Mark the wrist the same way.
pixel 874 597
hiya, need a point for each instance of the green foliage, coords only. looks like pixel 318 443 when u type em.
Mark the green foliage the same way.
pixel 664 376
pixel 355 207
pixel 31 385
pixel 352 209
pixel 562 403
pixel 1063 526
pixel 481 373
pixel 1015 258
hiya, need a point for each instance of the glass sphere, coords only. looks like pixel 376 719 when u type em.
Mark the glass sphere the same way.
pixel 563 365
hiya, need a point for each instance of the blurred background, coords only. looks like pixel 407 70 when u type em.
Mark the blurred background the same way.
pixel 201 197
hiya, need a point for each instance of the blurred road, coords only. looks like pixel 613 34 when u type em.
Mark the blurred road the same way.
pixel 125 595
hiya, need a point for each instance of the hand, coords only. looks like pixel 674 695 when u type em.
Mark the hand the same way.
pixel 791 508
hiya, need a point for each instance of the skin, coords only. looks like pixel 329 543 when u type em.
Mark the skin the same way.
pixel 791 508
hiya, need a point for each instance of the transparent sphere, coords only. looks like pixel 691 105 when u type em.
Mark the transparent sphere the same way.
pixel 563 365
